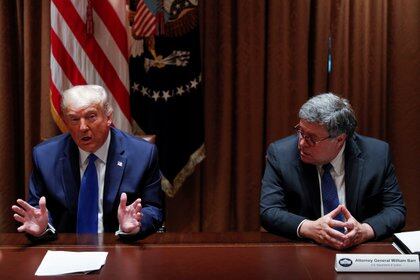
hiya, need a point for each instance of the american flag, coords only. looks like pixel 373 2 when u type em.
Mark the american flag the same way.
pixel 89 45
pixel 144 24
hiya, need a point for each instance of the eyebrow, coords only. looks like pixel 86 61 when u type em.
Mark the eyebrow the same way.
pixel 91 111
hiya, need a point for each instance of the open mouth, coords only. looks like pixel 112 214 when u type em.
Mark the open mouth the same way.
pixel 86 138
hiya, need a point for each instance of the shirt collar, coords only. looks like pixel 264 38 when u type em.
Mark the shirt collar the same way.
pixel 101 153
pixel 338 161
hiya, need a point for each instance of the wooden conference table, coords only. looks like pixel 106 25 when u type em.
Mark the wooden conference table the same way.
pixel 233 255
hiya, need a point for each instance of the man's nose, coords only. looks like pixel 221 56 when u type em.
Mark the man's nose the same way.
pixel 303 142
pixel 83 125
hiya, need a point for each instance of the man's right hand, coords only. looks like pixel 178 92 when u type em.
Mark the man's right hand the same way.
pixel 34 221
pixel 322 230
pixel 129 217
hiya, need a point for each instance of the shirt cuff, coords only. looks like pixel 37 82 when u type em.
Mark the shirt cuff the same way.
pixel 49 230
pixel 120 232
pixel 298 229
pixel 48 234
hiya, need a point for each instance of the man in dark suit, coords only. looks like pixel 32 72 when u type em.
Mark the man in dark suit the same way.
pixel 124 168
pixel 329 184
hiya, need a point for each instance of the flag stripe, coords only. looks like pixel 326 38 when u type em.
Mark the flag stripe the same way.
pixel 116 58
pixel 58 77
pixel 105 39
pixel 144 21
pixel 95 54
pixel 64 59
pixel 113 24
pixel 147 28
pixel 141 9
pixel 77 53
pixel 120 9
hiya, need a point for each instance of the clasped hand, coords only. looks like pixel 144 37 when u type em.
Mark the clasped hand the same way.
pixel 35 220
pixel 324 230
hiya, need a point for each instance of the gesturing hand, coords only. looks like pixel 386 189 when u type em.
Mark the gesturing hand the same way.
pixel 322 230
pixel 34 221
pixel 129 216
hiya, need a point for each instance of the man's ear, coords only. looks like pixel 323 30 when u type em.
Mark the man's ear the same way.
pixel 341 138
pixel 109 120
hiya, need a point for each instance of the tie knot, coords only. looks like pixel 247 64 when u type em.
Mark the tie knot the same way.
pixel 327 167
pixel 92 158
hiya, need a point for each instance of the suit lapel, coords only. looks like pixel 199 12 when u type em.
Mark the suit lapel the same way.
pixel 68 167
pixel 310 184
pixel 115 167
pixel 354 168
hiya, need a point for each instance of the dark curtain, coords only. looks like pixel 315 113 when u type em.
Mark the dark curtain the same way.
pixel 376 66
pixel 10 99
pixel 403 105
pixel 256 76
pixel 24 96
pixel 261 61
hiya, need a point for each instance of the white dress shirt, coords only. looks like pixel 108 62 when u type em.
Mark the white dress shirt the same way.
pixel 100 163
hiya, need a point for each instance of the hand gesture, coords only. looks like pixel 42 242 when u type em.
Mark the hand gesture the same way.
pixel 34 221
pixel 356 232
pixel 323 230
pixel 129 216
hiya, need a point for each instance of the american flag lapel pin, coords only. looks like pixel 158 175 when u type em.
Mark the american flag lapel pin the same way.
pixel 119 163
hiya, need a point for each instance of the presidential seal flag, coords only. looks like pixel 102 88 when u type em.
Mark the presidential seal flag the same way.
pixel 89 45
pixel 165 84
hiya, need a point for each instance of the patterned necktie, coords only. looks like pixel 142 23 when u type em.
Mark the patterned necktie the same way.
pixel 87 210
pixel 329 192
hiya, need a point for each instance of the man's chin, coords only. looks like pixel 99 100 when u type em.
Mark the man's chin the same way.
pixel 306 159
pixel 311 161
pixel 86 147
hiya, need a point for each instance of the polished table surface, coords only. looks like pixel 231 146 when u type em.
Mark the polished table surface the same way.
pixel 232 255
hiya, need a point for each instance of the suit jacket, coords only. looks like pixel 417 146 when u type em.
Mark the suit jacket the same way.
pixel 290 188
pixel 132 167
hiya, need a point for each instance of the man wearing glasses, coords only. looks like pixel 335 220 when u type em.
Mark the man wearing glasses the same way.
pixel 328 183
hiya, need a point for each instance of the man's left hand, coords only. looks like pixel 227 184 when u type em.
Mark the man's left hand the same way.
pixel 356 232
pixel 129 216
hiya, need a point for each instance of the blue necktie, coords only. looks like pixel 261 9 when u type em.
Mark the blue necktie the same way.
pixel 329 192
pixel 87 210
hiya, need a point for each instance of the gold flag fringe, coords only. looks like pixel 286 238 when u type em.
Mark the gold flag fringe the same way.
pixel 56 116
pixel 185 172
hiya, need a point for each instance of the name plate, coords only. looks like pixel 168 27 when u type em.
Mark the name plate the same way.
pixel 376 263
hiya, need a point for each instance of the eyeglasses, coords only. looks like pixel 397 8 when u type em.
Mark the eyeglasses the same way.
pixel 309 139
